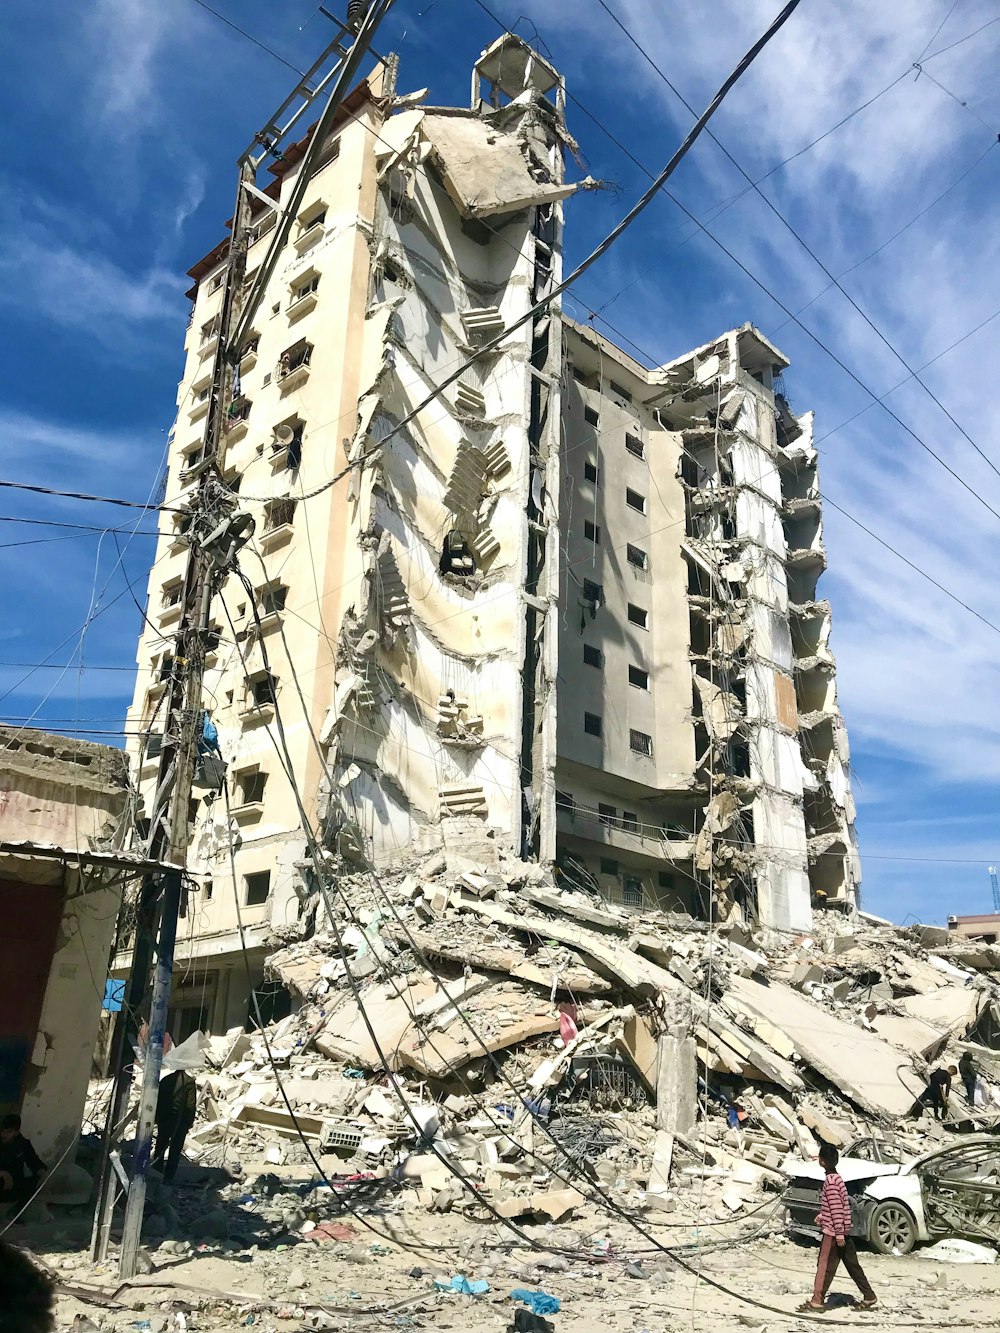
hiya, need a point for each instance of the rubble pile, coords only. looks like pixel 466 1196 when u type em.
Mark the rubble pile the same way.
pixel 471 1030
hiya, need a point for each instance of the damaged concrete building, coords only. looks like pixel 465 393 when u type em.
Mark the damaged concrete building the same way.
pixel 566 611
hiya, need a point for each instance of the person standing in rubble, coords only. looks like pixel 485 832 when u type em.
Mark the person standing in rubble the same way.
pixel 937 1092
pixel 176 1107
pixel 834 1221
pixel 969 1071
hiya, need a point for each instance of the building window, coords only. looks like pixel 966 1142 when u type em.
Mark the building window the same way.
pixel 207 889
pixel 287 440
pixel 632 891
pixel 593 593
pixel 262 689
pixel 258 888
pixel 619 390
pixel 272 599
pixel 666 880
pixel 640 743
pixel 299 354
pixel 593 656
pixel 564 801
pixel 637 615
pixel 210 330
pixel 278 514
pixel 638 678
pixel 634 500
pixel 251 786
pixel 592 532
pixel 608 815
pixel 239 410
pixel 193 457
pixel 154 744
pixel 630 821
pixel 172 594
pixel 592 724
pixel 590 416
pixel 636 556
pixel 608 866
pixel 312 217
pixel 590 472
pixel 305 287
pixel 216 281
pixel 635 446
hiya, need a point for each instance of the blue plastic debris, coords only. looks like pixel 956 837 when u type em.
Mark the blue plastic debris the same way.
pixel 539 1302
pixel 463 1285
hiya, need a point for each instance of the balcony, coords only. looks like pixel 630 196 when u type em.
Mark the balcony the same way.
pixel 200 407
pixel 249 358
pixel 248 813
pixel 271 539
pixel 303 300
pixel 585 822
pixel 309 236
pixel 253 714
pixel 169 615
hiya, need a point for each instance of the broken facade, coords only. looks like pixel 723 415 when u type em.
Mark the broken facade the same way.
pixel 426 625
pixel 64 815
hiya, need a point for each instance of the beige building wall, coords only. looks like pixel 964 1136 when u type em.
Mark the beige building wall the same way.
pixel 70 798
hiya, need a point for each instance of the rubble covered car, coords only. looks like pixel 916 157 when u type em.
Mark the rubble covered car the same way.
pixel 953 1191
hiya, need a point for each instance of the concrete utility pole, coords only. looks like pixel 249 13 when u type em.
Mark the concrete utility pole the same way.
pixel 215 532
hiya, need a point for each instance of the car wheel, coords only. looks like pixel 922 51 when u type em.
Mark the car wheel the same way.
pixel 892 1229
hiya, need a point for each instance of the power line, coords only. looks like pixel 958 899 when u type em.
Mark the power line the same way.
pixel 250 37
pixel 83 495
pixel 835 281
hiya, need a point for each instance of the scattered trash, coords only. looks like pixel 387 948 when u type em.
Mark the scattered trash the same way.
pixel 538 1302
pixel 463 1285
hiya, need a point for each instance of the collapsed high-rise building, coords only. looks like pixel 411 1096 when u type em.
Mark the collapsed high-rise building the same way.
pixel 567 611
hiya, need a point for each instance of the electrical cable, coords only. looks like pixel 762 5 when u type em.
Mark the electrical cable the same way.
pixel 83 495
pixel 250 38
pixel 834 280
pixel 597 253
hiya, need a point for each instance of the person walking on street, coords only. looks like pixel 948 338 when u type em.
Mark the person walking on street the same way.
pixel 834 1221
pixel 969 1071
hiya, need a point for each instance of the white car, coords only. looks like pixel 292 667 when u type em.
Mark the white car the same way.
pixel 895 1203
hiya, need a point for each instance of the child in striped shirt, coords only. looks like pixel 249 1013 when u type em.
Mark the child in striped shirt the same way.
pixel 835 1223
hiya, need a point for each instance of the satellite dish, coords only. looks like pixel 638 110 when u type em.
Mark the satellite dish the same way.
pixel 283 434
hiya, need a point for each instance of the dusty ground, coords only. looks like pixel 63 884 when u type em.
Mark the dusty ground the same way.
pixel 605 1277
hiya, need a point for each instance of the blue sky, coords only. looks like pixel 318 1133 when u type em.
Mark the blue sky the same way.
pixel 121 132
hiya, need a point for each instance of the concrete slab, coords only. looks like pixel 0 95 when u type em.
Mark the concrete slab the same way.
pixel 950 1009
pixel 868 1070
pixel 913 1034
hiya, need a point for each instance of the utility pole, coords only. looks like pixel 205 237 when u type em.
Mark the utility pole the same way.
pixel 215 532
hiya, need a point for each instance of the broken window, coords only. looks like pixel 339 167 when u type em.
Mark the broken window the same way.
pixel 637 615
pixel 593 656
pixel 592 724
pixel 636 556
pixel 154 744
pixel 287 440
pixel 278 514
pixel 299 354
pixel 257 888
pixel 665 879
pixel 172 594
pixel 638 678
pixel 640 743
pixel 608 815
pixel 215 281
pixel 207 889
pixel 608 866
pixel 634 500
pixel 456 556
pixel 250 785
pixel 272 598
pixel 592 532
pixel 590 472
pixel 239 409
pixel 591 416
pixel 312 217
pixel 210 330
pixel 262 689
pixel 593 593
pixel 635 446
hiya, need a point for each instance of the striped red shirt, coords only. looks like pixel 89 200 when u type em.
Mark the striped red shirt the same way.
pixel 834 1208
